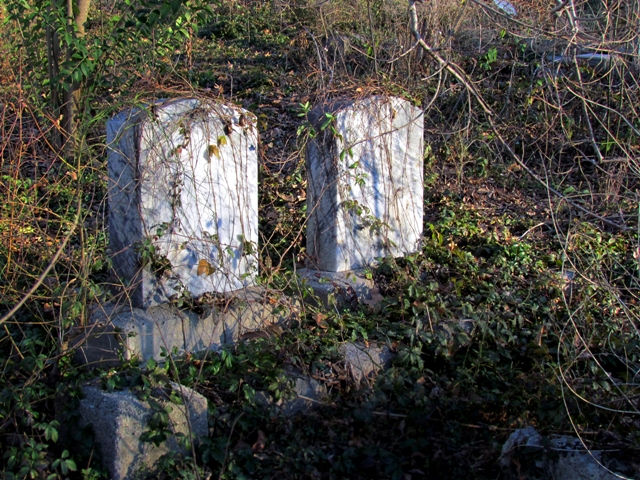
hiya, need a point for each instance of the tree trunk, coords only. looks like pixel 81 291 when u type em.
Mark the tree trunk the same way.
pixel 76 18
pixel 53 54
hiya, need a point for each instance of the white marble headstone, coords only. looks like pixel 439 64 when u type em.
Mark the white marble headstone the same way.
pixel 365 182
pixel 183 199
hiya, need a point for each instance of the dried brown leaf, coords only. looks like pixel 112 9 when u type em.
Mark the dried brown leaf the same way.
pixel 260 442
pixel 205 268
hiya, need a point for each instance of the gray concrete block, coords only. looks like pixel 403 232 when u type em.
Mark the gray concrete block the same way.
pixel 365 182
pixel 119 418
pixel 183 199
pixel 118 331
pixel 364 363
pixel 308 395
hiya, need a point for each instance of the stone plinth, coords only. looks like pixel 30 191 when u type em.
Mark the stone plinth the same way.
pixel 183 199
pixel 365 190
pixel 124 332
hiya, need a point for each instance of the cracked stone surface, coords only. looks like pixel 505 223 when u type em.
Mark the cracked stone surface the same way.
pixel 365 182
pixel 183 199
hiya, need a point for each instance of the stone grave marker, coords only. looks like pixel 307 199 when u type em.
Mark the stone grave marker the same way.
pixel 365 182
pixel 183 199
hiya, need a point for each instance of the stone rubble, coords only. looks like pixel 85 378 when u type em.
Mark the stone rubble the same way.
pixel 542 458
pixel 119 418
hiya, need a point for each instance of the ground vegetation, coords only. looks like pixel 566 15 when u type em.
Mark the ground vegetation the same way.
pixel 521 308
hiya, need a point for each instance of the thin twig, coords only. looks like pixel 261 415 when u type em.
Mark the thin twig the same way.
pixel 531 229
pixel 226 450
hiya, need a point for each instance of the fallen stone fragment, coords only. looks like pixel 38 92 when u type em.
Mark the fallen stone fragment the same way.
pixel 340 289
pixel 308 394
pixel 119 419
pixel 520 440
pixel 363 362
pixel 542 458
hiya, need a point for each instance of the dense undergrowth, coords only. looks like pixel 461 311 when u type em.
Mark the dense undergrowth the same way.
pixel 521 308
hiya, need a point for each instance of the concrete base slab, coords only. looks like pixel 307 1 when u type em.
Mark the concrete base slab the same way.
pixel 341 289
pixel 119 332
pixel 119 418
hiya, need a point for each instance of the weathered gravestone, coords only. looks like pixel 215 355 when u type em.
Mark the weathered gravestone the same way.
pixel 365 186
pixel 183 221
pixel 365 191
pixel 183 199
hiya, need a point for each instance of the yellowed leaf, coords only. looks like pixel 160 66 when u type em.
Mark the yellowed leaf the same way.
pixel 263 122
pixel 205 268
pixel 222 140
pixel 214 150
